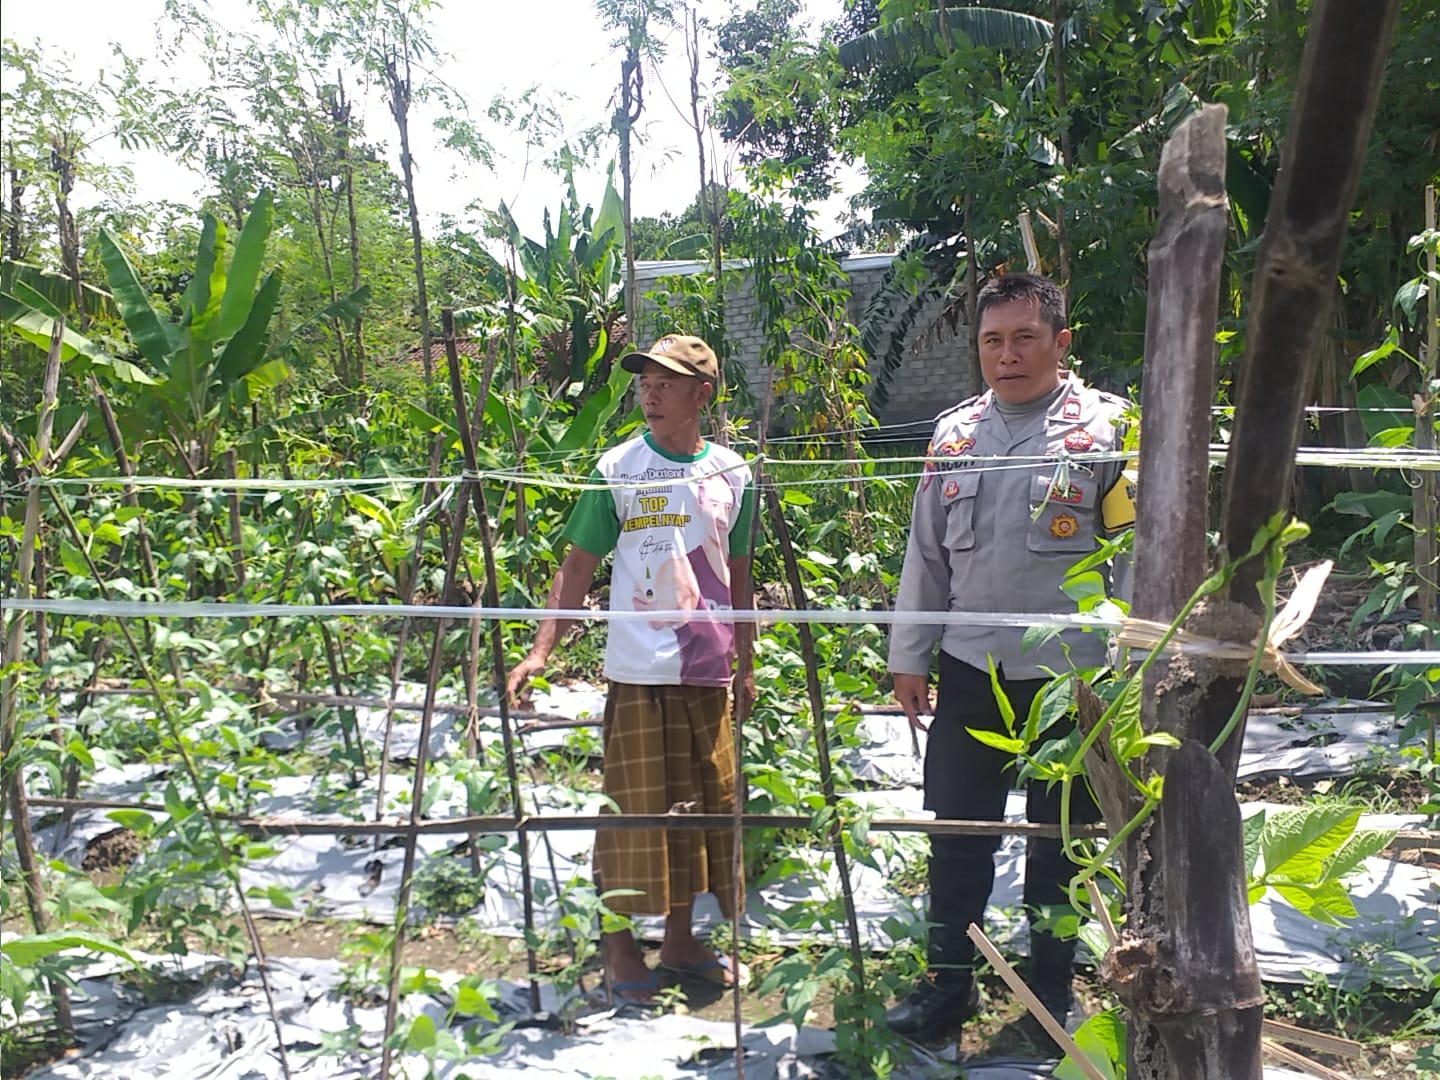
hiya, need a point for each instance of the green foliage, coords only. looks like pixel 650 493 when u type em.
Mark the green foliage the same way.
pixel 1305 855
pixel 1101 1038
pixel 447 885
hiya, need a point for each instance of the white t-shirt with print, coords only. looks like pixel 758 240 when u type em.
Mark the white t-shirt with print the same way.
pixel 673 523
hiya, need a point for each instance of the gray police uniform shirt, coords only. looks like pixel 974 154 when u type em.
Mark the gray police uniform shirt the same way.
pixel 975 544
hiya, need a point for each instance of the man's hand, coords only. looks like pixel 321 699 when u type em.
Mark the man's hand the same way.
pixel 913 694
pixel 517 683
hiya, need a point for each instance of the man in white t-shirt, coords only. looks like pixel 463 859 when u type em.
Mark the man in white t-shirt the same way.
pixel 675 510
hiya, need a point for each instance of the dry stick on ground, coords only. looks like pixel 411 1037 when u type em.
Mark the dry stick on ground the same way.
pixel 497 642
pixel 202 797
pixel 14 790
pixel 822 736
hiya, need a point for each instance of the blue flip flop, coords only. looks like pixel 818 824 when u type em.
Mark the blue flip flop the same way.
pixel 711 971
pixel 648 986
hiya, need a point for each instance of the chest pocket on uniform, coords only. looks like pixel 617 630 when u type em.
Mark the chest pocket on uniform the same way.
pixel 1068 521
pixel 957 495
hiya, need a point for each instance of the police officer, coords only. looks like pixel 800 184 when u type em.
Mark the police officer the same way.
pixel 1000 540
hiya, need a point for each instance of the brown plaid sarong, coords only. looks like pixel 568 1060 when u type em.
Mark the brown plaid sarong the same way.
pixel 665 745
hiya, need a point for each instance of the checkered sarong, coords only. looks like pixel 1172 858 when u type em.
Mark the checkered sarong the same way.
pixel 666 745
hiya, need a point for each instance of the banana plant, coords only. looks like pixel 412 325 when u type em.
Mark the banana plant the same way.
pixel 196 372
pixel 218 355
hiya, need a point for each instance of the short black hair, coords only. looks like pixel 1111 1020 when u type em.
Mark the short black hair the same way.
pixel 1004 288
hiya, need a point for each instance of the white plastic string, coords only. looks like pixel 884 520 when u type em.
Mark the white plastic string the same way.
pixel 212 609
pixel 1370 458
pixel 209 609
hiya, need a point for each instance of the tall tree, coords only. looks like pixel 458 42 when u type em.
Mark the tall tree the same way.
pixel 53 125
pixel 633 18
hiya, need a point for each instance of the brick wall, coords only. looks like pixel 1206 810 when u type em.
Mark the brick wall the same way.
pixel 935 369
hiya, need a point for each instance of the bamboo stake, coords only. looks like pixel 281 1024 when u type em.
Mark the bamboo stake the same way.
pixel 237 536
pixel 417 792
pixel 745 666
pixel 471 485
pixel 349 731
pixel 1315 1040
pixel 397 662
pixel 1025 994
pixel 302 522
pixel 472 655
pixel 1426 402
pixel 132 500
pixel 34 887
pixel 162 705
pixel 290 826
pixel 822 737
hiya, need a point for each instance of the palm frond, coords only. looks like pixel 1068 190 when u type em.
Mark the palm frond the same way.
pixel 886 327
pixel 905 39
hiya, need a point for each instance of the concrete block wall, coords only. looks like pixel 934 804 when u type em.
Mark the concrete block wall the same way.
pixel 935 370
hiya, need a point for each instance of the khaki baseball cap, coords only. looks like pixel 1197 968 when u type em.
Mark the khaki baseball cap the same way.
pixel 680 353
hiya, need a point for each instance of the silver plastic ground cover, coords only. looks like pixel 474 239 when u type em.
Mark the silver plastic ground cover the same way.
pixel 222 1031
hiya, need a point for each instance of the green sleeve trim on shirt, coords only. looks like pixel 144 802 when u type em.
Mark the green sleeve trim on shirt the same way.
pixel 740 532
pixel 594 525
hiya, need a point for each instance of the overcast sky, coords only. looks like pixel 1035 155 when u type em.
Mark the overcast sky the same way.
pixel 495 48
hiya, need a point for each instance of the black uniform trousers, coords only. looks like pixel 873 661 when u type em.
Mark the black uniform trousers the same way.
pixel 964 778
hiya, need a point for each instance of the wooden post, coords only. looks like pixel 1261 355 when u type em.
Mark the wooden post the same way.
pixel 1346 45
pixel 1179 378
pixel 1186 962
pixel 10 728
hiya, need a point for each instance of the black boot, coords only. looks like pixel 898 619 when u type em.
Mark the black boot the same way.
pixel 1051 974
pixel 934 1011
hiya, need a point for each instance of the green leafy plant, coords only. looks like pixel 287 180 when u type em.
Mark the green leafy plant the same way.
pixel 1305 855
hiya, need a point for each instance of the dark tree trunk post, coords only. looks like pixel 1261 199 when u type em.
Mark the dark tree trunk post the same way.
pixel 1339 85
pixel 1186 963
pixel 1182 304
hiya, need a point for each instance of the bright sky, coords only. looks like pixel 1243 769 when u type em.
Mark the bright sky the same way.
pixel 495 48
